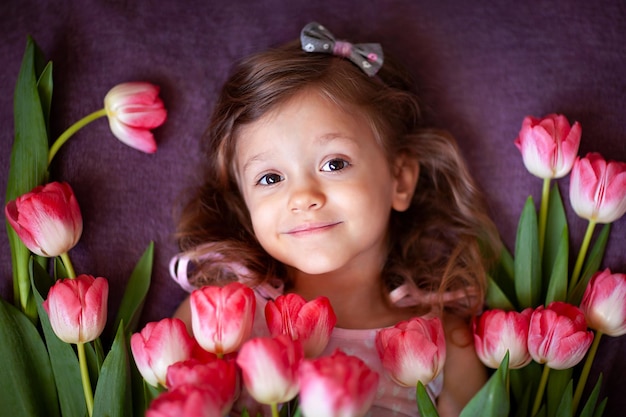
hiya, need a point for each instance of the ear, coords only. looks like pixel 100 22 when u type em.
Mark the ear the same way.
pixel 406 172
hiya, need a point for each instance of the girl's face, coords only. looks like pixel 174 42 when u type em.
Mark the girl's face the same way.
pixel 318 186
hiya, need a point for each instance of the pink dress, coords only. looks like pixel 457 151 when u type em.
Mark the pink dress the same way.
pixel 391 399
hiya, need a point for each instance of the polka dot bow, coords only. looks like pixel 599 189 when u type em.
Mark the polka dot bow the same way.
pixel 367 56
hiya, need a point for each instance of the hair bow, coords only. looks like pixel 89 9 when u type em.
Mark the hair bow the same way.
pixel 367 56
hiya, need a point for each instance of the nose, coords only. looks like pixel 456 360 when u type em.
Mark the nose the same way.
pixel 306 194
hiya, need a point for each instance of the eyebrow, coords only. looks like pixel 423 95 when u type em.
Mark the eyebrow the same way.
pixel 260 157
pixel 325 138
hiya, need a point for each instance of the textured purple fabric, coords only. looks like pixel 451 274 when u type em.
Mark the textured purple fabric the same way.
pixel 481 67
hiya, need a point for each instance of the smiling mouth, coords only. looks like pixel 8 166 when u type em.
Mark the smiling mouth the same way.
pixel 307 229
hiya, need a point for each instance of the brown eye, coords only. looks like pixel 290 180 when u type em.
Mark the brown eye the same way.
pixel 270 179
pixel 336 164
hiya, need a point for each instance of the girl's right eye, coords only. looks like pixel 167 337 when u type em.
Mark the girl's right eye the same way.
pixel 269 179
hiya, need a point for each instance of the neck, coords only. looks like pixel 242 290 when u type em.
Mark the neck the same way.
pixel 358 299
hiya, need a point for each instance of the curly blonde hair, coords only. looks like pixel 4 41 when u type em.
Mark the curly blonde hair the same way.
pixel 441 244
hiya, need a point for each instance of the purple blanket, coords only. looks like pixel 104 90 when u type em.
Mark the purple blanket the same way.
pixel 481 66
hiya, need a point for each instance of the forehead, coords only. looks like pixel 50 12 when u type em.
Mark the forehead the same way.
pixel 309 112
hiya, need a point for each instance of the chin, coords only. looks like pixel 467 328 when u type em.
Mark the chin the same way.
pixel 314 268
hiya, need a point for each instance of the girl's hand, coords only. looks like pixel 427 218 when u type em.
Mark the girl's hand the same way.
pixel 463 373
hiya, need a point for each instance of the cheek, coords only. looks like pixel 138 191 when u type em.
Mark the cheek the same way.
pixel 366 201
pixel 263 217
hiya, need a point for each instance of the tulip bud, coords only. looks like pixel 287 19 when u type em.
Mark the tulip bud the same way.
pixel 597 188
pixel 311 323
pixel 270 368
pixel 159 345
pixel 604 303
pixel 133 109
pixel 221 375
pixel 47 219
pixel 222 317
pixel 558 335
pixel 78 308
pixel 548 145
pixel 412 350
pixel 498 331
pixel 338 385
pixel 186 400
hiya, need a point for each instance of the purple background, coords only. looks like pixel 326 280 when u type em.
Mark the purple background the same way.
pixel 481 67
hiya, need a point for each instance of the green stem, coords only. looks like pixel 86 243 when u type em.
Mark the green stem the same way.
pixel 581 255
pixel 68 265
pixel 73 129
pixel 542 387
pixel 584 374
pixel 543 213
pixel 84 375
pixel 274 407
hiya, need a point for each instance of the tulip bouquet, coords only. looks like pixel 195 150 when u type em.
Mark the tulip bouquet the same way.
pixel 281 373
pixel 544 320
pixel 50 336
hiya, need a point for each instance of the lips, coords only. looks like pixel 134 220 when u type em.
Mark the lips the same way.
pixel 310 228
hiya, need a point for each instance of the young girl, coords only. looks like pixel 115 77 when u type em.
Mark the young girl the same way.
pixel 321 181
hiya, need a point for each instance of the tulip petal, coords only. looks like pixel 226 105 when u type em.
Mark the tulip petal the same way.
pixel 140 139
pixel 134 109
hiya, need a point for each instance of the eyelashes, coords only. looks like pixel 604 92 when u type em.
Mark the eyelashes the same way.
pixel 270 179
pixel 332 165
pixel 335 164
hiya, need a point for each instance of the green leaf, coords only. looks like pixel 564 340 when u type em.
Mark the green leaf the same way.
pixel 524 384
pixel 63 359
pixel 29 159
pixel 29 155
pixel 565 405
pixel 557 283
pixel 592 265
pixel 59 269
pixel 27 385
pixel 424 403
pixel 502 275
pixel 506 263
pixel 136 290
pixel 590 410
pixel 113 396
pixel 44 88
pixel 493 398
pixel 527 260
pixel 522 406
pixel 496 298
pixel 143 393
pixel 600 409
pixel 556 222
pixel 558 382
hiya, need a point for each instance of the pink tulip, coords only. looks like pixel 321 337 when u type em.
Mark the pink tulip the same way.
pixel 186 400
pixel 499 331
pixel 78 308
pixel 604 303
pixel 222 317
pixel 412 350
pixel 597 188
pixel 558 335
pixel 134 109
pixel 270 368
pixel 548 145
pixel 339 385
pixel 47 219
pixel 159 345
pixel 221 375
pixel 311 323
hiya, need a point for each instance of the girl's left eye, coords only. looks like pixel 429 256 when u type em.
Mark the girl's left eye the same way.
pixel 336 164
